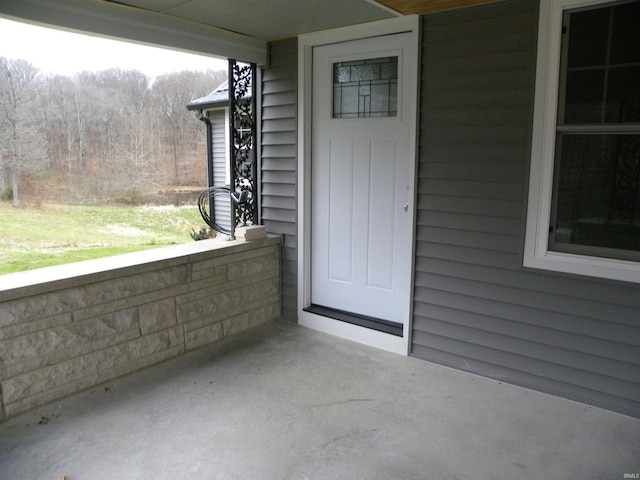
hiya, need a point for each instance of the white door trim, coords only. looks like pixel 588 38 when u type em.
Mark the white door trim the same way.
pixel 306 43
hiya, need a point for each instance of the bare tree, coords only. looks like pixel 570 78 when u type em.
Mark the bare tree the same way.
pixel 111 172
pixel 99 135
pixel 19 143
pixel 172 92
pixel 58 109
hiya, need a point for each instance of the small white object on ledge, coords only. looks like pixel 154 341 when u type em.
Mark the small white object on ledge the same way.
pixel 251 232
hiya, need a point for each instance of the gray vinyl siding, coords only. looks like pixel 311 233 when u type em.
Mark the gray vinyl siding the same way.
pixel 220 165
pixel 279 161
pixel 475 308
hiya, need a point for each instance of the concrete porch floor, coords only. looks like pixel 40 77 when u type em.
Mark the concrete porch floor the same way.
pixel 283 402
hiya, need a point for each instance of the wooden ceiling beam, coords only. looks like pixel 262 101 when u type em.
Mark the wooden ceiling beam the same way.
pixel 410 7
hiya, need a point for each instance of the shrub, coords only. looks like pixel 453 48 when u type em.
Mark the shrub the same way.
pixel 203 234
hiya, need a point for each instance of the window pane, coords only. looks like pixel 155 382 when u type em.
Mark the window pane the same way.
pixel 602 70
pixel 597 193
pixel 583 99
pixel 625 41
pixel 623 95
pixel 366 88
pixel 588 32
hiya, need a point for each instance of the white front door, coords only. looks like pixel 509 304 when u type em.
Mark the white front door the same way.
pixel 361 164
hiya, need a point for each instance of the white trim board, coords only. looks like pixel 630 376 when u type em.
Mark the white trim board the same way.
pixel 115 21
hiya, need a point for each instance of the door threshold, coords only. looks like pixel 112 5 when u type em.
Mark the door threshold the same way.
pixel 377 324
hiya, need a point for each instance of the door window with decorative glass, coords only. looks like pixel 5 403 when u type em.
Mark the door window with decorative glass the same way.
pixel 366 88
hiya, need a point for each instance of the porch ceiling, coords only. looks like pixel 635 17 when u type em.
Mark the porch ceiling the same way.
pixel 278 19
pixel 238 29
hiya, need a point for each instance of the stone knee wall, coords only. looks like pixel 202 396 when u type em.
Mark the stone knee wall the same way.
pixel 62 336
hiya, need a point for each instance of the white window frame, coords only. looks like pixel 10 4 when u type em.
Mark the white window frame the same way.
pixel 536 252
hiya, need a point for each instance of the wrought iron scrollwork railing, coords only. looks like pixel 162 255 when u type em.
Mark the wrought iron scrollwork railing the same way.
pixel 243 143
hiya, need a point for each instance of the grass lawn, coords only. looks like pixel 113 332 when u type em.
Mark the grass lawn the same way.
pixel 52 234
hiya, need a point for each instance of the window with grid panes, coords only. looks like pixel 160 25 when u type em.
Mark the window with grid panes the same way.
pixel 596 190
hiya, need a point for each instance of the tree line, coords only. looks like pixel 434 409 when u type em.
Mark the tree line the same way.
pixel 99 136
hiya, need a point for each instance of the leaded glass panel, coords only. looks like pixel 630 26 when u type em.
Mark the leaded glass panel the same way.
pixel 366 88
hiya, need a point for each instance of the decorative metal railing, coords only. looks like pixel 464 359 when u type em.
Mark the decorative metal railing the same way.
pixel 242 108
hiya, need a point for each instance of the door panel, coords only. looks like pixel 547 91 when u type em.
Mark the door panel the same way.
pixel 341 211
pixel 382 211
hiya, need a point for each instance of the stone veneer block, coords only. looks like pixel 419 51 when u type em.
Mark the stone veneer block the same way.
pixel 253 266
pixel 32 326
pixel 250 319
pixel 157 315
pixel 203 336
pixel 77 349
pixel 218 272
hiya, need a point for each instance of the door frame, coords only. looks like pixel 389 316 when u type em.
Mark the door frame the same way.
pixel 306 43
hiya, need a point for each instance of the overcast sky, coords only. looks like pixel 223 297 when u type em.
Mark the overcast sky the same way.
pixel 55 51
